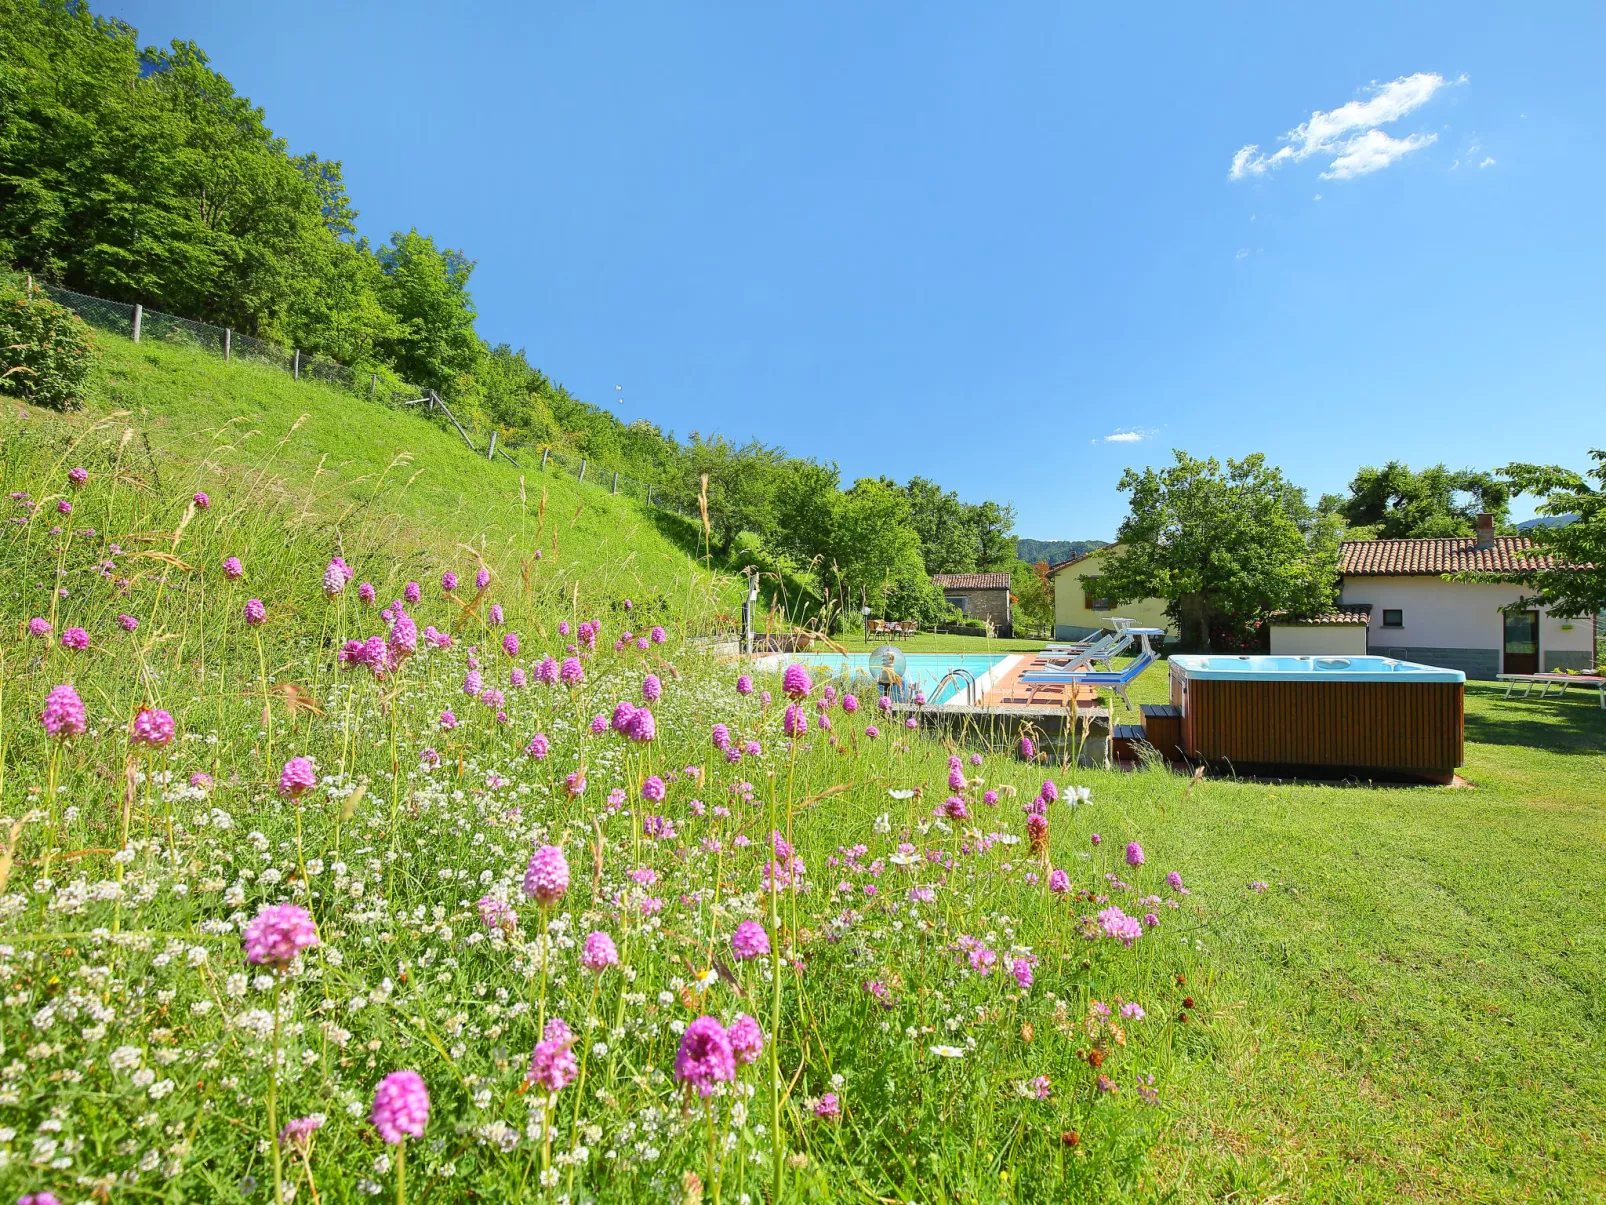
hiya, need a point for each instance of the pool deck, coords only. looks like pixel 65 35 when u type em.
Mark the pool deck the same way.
pixel 1007 690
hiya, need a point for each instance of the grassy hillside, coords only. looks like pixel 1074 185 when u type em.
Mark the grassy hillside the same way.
pixel 384 476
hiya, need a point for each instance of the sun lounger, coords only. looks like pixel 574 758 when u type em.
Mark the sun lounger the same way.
pixel 1595 682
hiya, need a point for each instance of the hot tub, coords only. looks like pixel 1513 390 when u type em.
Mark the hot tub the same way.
pixel 1371 717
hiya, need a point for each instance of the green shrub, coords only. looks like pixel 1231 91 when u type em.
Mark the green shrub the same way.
pixel 46 350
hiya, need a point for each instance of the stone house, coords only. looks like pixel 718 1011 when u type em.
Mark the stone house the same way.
pixel 979 596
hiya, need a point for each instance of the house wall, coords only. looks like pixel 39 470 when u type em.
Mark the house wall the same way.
pixel 981 604
pixel 1459 625
pixel 1318 640
pixel 1073 620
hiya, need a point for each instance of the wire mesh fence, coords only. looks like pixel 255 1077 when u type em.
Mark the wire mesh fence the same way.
pixel 142 325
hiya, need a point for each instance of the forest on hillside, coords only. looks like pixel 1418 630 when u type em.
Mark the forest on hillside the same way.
pixel 139 174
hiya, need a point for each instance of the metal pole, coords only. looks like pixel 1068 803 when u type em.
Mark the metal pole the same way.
pixel 373 384
pixel 583 470
pixel 490 452
pixel 649 495
pixel 545 452
pixel 295 366
pixel 228 343
pixel 139 314
pixel 616 481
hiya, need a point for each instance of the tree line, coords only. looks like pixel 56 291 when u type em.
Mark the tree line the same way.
pixel 141 175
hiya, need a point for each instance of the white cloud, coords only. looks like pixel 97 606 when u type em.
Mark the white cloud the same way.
pixel 1372 152
pixel 1349 133
pixel 1489 162
pixel 1124 437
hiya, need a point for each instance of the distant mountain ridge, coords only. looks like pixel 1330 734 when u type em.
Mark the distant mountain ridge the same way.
pixel 1055 551
pixel 1546 521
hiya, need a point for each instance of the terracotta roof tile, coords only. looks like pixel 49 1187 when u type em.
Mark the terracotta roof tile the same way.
pixel 1345 615
pixel 972 581
pixel 1417 558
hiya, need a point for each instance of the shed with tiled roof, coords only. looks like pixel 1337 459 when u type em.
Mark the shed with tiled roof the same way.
pixel 982 596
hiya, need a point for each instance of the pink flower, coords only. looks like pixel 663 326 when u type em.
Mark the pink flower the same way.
pixel 954 807
pixel 795 681
pixel 496 615
pixel 297 777
pixel 64 507
pixel 77 477
pixel 1059 882
pixel 232 569
pixel 746 1039
pixel 1028 751
pixel 63 715
pixel 658 635
pixel 598 953
pixel 127 622
pixel 871 731
pixel 334 579
pixel 202 502
pixel 795 718
pixel 1095 838
pixel 546 878
pixel 1133 1011
pixel 1174 881
pixel 297 1133
pixel 1134 854
pixel 651 688
pixel 278 934
pixel 39 626
pixel 653 789
pixel 448 581
pixel 429 759
pixel 1117 924
pixel 255 612
pixel 1021 968
pixel 850 703
pixel 1040 1087
pixel 744 685
pixel 750 940
pixel 401 1106
pixel 482 578
pixel 705 1057
pixel 642 727
pixel 553 1064
pixel 448 721
pixel 75 639
pixel 201 780
pixel 571 673
pixel 413 593
pixel 575 783
pixel 366 594
pixel 152 726
pixel 828 1107
pixel 538 746
pixel 510 644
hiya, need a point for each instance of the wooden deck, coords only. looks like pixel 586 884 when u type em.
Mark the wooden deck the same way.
pixel 1010 691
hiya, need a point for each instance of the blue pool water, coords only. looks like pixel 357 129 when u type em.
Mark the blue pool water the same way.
pixel 925 670
pixel 1313 669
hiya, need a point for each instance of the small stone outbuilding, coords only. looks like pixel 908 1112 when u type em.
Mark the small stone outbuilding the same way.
pixel 979 596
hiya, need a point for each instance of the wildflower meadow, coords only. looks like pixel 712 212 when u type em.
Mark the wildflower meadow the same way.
pixel 338 868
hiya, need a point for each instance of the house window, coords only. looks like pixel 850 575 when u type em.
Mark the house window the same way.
pixel 960 602
pixel 1393 618
pixel 1094 603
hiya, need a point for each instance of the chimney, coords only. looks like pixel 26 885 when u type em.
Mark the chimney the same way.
pixel 1485 529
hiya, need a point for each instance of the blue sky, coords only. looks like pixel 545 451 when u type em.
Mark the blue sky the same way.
pixel 976 242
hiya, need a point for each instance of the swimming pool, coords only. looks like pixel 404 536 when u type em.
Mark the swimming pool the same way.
pixel 925 670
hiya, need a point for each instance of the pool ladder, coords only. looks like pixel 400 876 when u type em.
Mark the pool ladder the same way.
pixel 963 676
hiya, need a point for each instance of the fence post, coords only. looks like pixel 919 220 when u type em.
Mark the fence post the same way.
pixel 373 384
pixel 228 344
pixel 616 481
pixel 545 452
pixel 139 314
pixel 583 464
pixel 295 364
pixel 649 495
pixel 490 452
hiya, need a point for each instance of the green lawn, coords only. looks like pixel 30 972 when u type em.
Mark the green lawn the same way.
pixel 1416 1011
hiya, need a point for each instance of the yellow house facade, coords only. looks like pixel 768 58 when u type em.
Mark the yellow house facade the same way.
pixel 1080 609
